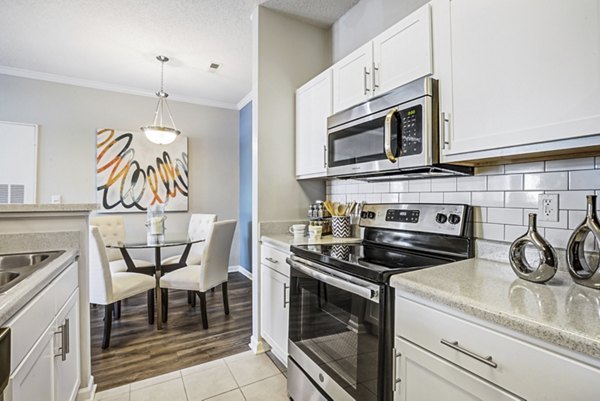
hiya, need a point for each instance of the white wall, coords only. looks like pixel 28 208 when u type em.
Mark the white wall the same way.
pixel 68 117
pixel 366 20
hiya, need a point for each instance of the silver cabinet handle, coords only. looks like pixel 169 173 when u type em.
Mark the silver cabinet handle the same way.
pixel 324 155
pixel 387 134
pixel 366 73
pixel 64 345
pixel 66 337
pixel 272 260
pixel 285 301
pixel 445 141
pixel 396 379
pixel 483 359
pixel 375 77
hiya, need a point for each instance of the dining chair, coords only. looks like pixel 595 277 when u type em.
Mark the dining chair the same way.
pixel 198 228
pixel 212 271
pixel 108 288
pixel 112 229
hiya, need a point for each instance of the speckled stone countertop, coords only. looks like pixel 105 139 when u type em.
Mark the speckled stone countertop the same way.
pixel 18 296
pixel 284 241
pixel 558 312
pixel 48 207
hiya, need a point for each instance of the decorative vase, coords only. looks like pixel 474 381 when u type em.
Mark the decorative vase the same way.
pixel 579 268
pixel 548 263
pixel 340 226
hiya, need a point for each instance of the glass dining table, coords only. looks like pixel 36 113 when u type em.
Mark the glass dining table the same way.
pixel 158 269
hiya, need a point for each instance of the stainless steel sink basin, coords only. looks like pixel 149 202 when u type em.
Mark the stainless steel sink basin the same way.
pixel 16 267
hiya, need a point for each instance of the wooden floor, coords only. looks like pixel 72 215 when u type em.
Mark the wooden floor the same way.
pixel 138 351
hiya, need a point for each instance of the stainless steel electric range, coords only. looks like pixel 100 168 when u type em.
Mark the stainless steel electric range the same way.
pixel 341 304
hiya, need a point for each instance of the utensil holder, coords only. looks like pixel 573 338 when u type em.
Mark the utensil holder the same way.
pixel 548 263
pixel 340 226
pixel 579 268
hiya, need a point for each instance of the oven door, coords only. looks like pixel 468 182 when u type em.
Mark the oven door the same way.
pixel 335 331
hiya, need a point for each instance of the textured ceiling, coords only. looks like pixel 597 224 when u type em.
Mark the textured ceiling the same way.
pixel 112 44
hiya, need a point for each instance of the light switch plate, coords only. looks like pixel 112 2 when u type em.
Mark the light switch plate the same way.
pixel 548 207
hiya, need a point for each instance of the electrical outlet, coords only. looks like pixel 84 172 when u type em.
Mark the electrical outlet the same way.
pixel 56 199
pixel 548 207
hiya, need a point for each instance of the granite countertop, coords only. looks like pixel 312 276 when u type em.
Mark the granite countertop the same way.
pixel 284 241
pixel 48 207
pixel 559 312
pixel 18 296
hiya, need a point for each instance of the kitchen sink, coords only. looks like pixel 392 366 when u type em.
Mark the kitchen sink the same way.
pixel 16 267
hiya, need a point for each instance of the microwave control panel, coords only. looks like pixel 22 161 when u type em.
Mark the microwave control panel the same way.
pixel 410 126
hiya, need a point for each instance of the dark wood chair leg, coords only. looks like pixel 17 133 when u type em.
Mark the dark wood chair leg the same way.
pixel 190 297
pixel 117 310
pixel 225 297
pixel 108 311
pixel 165 304
pixel 202 296
pixel 212 289
pixel 150 306
pixel 193 299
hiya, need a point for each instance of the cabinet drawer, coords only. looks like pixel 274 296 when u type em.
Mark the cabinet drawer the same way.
pixel 522 368
pixel 275 259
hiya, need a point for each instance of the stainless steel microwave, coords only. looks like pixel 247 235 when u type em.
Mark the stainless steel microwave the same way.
pixel 394 133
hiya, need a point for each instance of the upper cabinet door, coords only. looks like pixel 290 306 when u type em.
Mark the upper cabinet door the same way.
pixel 352 79
pixel 313 106
pixel 523 72
pixel 403 52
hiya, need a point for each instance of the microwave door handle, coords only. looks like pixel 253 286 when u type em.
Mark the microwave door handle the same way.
pixel 387 135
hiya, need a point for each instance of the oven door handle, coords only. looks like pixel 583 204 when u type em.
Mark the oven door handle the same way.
pixel 336 282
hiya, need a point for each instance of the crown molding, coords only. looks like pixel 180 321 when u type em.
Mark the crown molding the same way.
pixel 245 100
pixel 62 79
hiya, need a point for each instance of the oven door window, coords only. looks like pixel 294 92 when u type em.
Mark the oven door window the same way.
pixel 337 330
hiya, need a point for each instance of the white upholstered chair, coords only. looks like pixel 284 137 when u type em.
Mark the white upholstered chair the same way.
pixel 108 288
pixel 212 271
pixel 198 228
pixel 112 229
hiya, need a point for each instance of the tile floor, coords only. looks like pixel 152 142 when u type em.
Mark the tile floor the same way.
pixel 241 377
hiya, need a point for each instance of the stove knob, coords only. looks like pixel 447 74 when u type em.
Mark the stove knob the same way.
pixel 454 219
pixel 363 215
pixel 441 218
pixel 371 215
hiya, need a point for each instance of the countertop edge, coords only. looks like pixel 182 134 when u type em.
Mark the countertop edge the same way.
pixel 48 208
pixel 17 297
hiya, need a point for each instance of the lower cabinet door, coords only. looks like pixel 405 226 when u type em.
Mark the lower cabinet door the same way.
pixel 66 347
pixel 33 379
pixel 275 316
pixel 425 377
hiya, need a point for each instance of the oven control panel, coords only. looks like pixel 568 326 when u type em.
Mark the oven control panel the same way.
pixel 447 219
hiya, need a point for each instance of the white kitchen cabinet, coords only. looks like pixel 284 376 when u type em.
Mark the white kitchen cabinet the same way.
pixel 313 106
pixel 516 73
pixel 43 367
pixel 437 345
pixel 399 55
pixel 275 292
pixel 425 376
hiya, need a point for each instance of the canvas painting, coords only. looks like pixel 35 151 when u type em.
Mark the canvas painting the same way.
pixel 133 173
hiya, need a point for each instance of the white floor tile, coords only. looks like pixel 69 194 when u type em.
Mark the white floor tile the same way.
pixel 235 395
pixel 209 382
pixel 122 397
pixel 155 380
pixel 113 392
pixel 248 368
pixel 271 389
pixel 172 391
pixel 201 367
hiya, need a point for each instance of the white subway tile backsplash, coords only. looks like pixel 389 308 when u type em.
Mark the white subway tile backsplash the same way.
pixel 475 183
pixel 584 163
pixel 493 199
pixel 381 187
pixel 419 185
pixel 511 182
pixel 524 167
pixel 431 197
pixel 494 232
pixel 389 198
pixel 373 198
pixel 511 233
pixel 546 181
pixel 338 198
pixel 365 188
pixel 489 170
pixel 521 199
pixel 457 197
pixel 399 186
pixel 443 184
pixel 356 197
pixel 505 216
pixel 408 198
pixel 352 188
pixel 573 200
pixel 563 219
pixel 584 179
pixel 557 238
pixel 576 217
pixel 480 214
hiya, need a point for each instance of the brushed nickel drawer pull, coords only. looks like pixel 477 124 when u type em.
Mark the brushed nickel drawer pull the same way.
pixel 272 260
pixel 395 373
pixel 483 359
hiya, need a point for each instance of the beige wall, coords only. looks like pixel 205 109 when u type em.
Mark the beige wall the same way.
pixel 68 117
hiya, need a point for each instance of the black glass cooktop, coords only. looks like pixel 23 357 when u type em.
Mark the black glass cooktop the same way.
pixel 371 262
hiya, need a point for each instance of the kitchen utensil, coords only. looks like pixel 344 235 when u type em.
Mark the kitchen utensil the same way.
pixel 351 208
pixel 548 261
pixel 340 209
pixel 579 268
pixel 329 206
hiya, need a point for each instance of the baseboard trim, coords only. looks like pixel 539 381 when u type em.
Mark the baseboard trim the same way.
pixel 258 346
pixel 241 270
pixel 88 393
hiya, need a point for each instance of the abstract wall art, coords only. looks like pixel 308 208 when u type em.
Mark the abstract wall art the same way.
pixel 133 173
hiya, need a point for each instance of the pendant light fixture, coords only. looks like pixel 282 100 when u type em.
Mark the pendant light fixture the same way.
pixel 158 132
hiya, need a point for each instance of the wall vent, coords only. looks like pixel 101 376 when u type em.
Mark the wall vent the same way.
pixel 3 193
pixel 17 193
